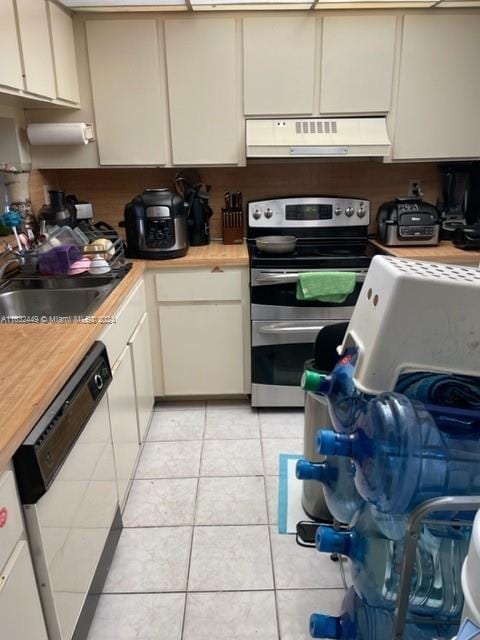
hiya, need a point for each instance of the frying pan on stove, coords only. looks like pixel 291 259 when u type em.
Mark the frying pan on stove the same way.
pixel 276 244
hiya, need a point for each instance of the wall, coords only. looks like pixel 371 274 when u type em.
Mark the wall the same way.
pixel 111 189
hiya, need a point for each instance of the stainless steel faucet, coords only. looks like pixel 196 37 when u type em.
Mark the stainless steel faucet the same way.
pixel 8 258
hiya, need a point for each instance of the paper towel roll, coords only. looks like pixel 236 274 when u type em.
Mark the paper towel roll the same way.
pixel 60 133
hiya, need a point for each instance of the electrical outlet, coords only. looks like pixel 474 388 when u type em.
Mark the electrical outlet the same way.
pixel 415 188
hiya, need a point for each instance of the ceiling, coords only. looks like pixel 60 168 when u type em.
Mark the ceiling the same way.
pixel 228 5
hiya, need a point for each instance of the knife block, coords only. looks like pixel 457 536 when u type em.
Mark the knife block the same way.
pixel 232 226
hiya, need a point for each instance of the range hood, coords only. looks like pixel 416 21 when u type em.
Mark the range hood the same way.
pixel 317 137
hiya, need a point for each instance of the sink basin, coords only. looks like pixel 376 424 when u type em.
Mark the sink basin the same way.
pixel 49 302
pixel 27 297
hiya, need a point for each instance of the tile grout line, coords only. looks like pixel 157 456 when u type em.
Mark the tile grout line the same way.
pixel 193 526
pixel 277 616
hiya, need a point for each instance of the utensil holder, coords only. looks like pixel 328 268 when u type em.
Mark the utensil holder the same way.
pixel 232 226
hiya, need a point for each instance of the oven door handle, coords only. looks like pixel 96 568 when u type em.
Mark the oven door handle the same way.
pixel 275 329
pixel 279 278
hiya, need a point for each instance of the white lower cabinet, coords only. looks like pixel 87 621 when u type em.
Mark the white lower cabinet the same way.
pixel 21 614
pixel 142 372
pixel 204 331
pixel 123 422
pixel 202 349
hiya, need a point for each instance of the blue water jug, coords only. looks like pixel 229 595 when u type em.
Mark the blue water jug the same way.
pixel 344 401
pixel 360 621
pixel 337 476
pixel 453 400
pixel 402 458
pixel 376 561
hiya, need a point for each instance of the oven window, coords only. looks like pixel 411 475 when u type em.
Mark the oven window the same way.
pixel 280 364
pixel 284 295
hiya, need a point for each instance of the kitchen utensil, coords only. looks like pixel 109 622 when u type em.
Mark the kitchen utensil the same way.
pixel 276 244
pixel 232 218
pixel 79 266
pixel 17 239
pixel 99 266
pixel 58 260
pixel 101 247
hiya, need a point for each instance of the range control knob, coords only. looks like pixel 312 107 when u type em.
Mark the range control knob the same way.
pixel 256 214
pixel 349 211
pixel 361 213
pixel 338 211
pixel 268 213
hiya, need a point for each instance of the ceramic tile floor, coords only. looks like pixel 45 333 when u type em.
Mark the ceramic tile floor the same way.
pixel 200 557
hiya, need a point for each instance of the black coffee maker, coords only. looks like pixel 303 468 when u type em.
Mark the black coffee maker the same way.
pixel 196 194
pixel 460 201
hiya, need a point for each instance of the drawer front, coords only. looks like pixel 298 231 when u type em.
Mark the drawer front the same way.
pixel 21 614
pixel 116 336
pixel 199 285
pixel 11 523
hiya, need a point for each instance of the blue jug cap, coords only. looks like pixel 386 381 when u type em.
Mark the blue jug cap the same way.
pixel 322 626
pixel 331 541
pixel 330 443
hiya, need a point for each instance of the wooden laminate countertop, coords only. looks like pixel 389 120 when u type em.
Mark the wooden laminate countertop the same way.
pixel 37 359
pixel 444 252
pixel 214 254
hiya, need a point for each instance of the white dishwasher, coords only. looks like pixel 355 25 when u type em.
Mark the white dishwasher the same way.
pixel 66 478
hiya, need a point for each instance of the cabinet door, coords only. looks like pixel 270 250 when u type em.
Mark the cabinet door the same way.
pixel 357 64
pixel 21 614
pixel 123 422
pixel 142 371
pixel 36 47
pixel 439 92
pixel 64 53
pixel 279 79
pixel 126 84
pixel 202 73
pixel 202 348
pixel 10 64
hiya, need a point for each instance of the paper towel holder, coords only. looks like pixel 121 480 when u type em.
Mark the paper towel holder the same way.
pixel 60 133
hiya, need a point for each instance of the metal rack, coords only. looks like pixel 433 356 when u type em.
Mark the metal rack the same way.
pixel 415 521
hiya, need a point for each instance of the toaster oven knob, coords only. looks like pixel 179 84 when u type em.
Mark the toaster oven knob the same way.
pixel 361 213
pixel 349 211
pixel 268 213
pixel 338 211
pixel 256 214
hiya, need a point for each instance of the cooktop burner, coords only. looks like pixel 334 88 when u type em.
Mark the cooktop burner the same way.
pixel 314 253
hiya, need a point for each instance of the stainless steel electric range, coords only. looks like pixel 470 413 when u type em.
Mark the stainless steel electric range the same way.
pixel 331 235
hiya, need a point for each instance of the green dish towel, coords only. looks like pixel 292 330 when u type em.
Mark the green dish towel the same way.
pixel 326 286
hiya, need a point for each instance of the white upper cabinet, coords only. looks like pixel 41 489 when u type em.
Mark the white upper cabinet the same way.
pixel 36 48
pixel 357 64
pixel 279 65
pixel 202 89
pixel 127 94
pixel 439 92
pixel 10 63
pixel 64 53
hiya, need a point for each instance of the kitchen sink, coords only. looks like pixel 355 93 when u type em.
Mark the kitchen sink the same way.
pixel 51 298
pixel 62 302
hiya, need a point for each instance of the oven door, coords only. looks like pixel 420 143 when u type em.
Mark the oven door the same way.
pixel 273 296
pixel 279 352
